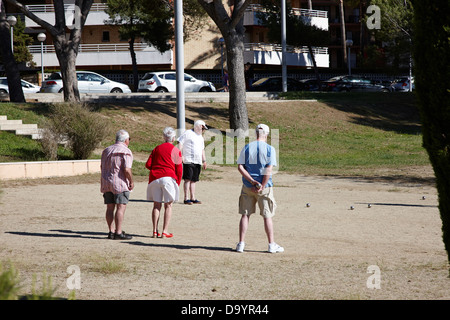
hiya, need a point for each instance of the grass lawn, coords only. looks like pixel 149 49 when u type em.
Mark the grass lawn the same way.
pixel 361 134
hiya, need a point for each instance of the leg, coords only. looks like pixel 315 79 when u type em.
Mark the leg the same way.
pixel 243 226
pixel 120 212
pixel 110 216
pixel 155 216
pixel 268 227
pixel 186 187
pixel 192 190
pixel 167 216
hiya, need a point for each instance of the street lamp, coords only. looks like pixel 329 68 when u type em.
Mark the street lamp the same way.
pixel 283 46
pixel 41 37
pixel 12 20
pixel 349 43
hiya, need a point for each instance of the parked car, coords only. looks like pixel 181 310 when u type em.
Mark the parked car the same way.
pixel 353 83
pixel 311 84
pixel 88 82
pixel 26 86
pixel 166 82
pixel 275 84
pixel 401 85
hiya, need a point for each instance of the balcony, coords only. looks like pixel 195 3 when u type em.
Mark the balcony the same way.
pixel 104 54
pixel 46 12
pixel 271 54
pixel 317 18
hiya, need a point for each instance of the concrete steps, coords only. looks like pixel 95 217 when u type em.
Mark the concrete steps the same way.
pixel 20 128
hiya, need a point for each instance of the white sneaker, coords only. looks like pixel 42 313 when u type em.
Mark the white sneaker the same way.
pixel 274 248
pixel 240 247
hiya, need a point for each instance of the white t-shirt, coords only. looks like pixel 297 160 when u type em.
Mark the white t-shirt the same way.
pixel 193 145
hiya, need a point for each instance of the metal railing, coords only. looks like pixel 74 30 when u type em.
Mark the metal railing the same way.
pixel 94 47
pixel 50 8
pixel 295 11
pixel 277 47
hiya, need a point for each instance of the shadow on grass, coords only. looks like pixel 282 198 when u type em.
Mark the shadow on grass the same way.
pixel 382 110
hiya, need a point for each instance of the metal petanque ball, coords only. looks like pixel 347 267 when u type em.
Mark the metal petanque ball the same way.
pixel 308 205
pixel 369 206
pixel 352 207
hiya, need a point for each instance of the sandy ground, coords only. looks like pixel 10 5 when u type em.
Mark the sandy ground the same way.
pixel 50 228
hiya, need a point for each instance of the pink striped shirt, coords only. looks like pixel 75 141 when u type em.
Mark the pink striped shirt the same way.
pixel 115 159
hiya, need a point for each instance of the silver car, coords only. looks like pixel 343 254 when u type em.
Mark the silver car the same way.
pixel 401 85
pixel 166 82
pixel 88 82
pixel 26 86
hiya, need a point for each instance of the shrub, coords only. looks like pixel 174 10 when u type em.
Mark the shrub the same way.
pixel 431 48
pixel 49 141
pixel 78 127
pixel 9 283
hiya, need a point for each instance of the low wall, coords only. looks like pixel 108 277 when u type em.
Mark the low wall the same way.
pixel 46 169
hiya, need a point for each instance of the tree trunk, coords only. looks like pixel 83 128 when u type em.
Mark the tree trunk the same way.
pixel 11 69
pixel 343 35
pixel 313 58
pixel 237 105
pixel 311 53
pixel 67 61
pixel 134 64
pixel 231 26
pixel 66 49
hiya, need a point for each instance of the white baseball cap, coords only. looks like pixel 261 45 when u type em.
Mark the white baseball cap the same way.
pixel 264 128
pixel 200 123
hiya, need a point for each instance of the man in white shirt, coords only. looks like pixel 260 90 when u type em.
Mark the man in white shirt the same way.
pixel 192 146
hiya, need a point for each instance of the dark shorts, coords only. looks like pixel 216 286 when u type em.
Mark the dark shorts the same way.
pixel 191 171
pixel 120 198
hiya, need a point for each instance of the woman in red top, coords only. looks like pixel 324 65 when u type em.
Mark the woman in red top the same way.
pixel 166 170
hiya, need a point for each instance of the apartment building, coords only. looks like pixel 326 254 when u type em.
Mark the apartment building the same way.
pixel 102 49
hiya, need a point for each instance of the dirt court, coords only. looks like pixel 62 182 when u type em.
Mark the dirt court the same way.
pixel 331 251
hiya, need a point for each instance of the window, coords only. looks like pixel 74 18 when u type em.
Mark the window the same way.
pixel 105 37
pixel 170 76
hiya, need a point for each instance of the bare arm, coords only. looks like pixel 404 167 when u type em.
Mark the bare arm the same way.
pixel 129 176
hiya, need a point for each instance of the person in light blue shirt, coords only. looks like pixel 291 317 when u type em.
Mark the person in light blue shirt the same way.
pixel 255 163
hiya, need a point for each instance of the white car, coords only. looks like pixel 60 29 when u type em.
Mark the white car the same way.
pixel 88 82
pixel 166 82
pixel 26 86
pixel 401 85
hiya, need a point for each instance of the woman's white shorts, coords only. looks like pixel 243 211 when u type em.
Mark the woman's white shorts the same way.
pixel 164 189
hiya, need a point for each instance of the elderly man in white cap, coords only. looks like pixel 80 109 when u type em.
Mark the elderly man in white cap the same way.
pixel 192 146
pixel 255 164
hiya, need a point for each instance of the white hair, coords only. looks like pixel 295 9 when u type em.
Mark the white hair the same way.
pixel 122 135
pixel 169 134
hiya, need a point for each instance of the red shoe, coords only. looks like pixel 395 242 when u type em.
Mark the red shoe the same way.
pixel 156 235
pixel 167 235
